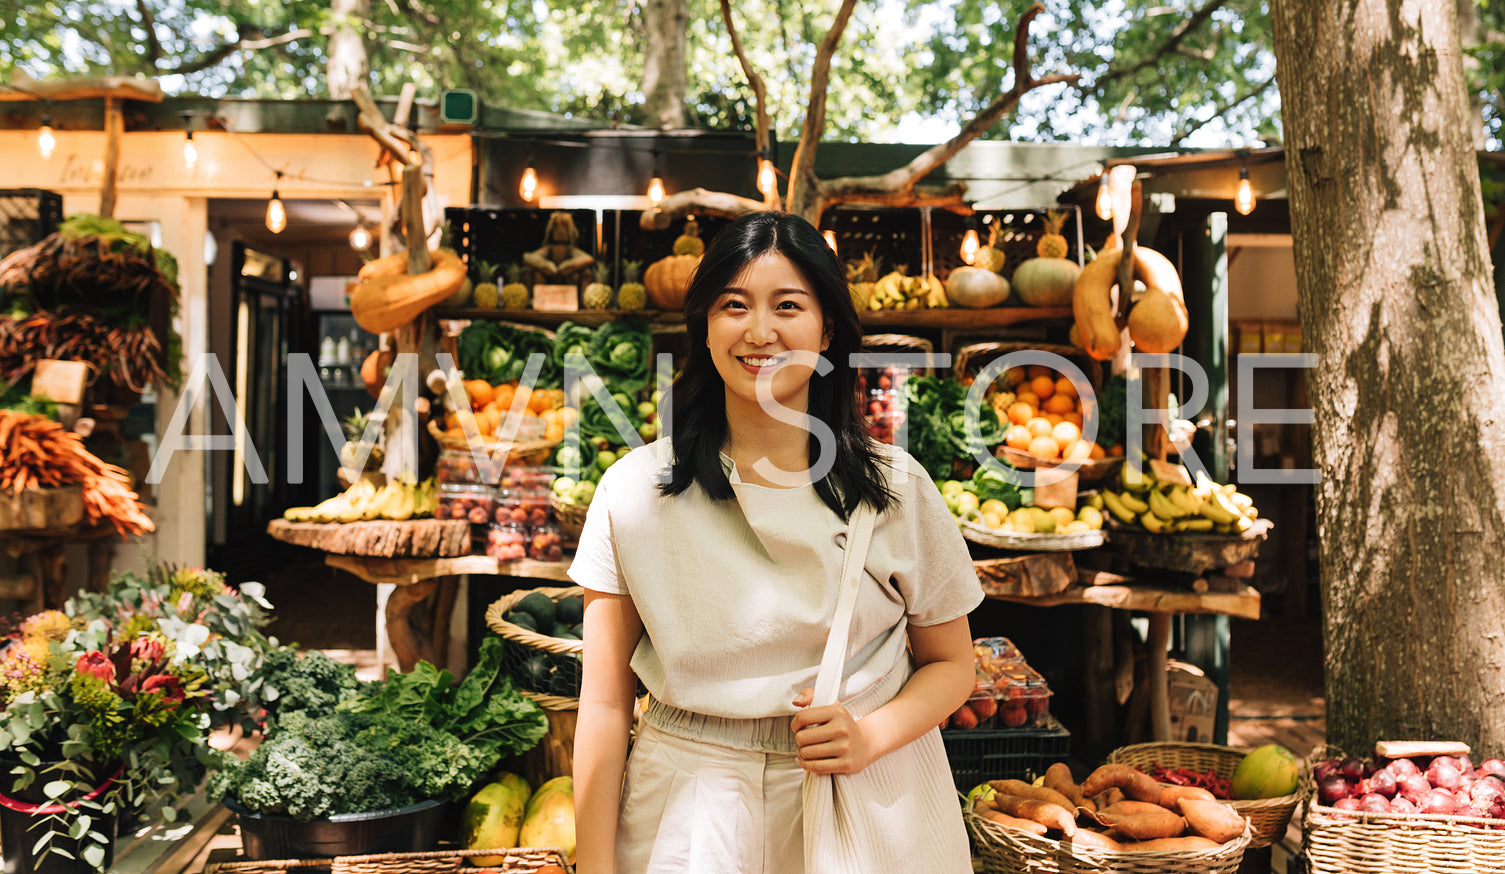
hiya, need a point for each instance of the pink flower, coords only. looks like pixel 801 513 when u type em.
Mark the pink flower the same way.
pixel 170 686
pixel 97 664
pixel 148 649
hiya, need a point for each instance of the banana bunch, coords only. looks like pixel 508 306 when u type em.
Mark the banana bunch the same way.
pixel 1167 508
pixel 896 291
pixel 363 502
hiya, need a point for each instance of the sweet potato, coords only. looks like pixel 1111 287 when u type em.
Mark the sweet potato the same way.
pixel 1170 796
pixel 1129 808
pixel 1047 814
pixel 1170 845
pixel 1007 821
pixel 1021 789
pixel 1145 826
pixel 1108 798
pixel 1058 777
pixel 1094 840
pixel 1212 820
pixel 1135 783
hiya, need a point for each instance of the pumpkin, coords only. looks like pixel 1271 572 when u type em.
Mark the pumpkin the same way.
pixel 374 371
pixel 668 279
pixel 1046 282
pixel 1093 302
pixel 1158 321
pixel 976 287
pixel 386 300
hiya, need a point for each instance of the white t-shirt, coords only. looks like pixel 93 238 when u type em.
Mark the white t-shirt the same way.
pixel 737 596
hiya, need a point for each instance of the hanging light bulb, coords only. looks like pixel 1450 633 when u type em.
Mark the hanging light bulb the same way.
pixel 768 182
pixel 1104 197
pixel 190 152
pixel 655 189
pixel 1243 198
pixel 360 237
pixel 46 142
pixel 276 213
pixel 970 244
pixel 831 240
pixel 528 188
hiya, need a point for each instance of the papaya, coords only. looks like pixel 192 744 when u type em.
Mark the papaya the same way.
pixel 1271 771
pixel 549 820
pixel 494 817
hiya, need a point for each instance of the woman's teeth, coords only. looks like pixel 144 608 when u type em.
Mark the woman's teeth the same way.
pixel 756 361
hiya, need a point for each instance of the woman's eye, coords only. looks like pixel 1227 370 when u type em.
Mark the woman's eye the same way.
pixel 789 304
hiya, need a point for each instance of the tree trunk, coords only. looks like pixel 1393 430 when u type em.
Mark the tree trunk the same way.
pixel 664 82
pixel 348 64
pixel 1395 294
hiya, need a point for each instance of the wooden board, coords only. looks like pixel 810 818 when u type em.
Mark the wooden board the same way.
pixel 410 571
pixel 1404 749
pixel 381 538
pixel 1027 575
pixel 1151 599
pixel 41 509
pixel 1189 552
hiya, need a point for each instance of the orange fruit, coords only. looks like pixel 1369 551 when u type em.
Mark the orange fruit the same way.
pixel 1073 417
pixel 1020 413
pixel 1064 386
pixel 1116 451
pixel 1036 371
pixel 1013 376
pixel 1097 451
pixel 1039 427
pixel 1043 387
pixel 1018 437
pixel 1054 419
pixel 503 396
pixel 479 391
pixel 1059 403
pixel 1028 397
pixel 1065 433
pixel 1076 450
pixel 1044 447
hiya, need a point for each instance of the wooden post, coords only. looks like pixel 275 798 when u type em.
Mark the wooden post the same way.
pixel 114 130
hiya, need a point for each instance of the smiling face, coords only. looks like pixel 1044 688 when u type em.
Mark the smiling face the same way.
pixel 767 312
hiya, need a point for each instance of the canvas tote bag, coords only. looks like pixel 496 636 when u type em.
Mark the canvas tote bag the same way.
pixel 871 822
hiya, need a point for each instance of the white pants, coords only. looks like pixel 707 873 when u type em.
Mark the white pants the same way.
pixel 704 795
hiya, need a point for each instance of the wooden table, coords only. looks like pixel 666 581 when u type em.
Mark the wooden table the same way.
pixel 40 552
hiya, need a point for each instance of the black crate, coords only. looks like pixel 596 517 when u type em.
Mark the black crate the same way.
pixel 27 215
pixel 979 754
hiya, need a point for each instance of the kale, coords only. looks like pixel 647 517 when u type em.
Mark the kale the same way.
pixel 938 424
pixel 315 682
pixel 1113 412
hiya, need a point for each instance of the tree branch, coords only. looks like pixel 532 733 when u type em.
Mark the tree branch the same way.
pixel 149 21
pixel 1172 43
pixel 760 95
pixel 217 55
pixel 1220 110
pixel 802 170
pixel 697 201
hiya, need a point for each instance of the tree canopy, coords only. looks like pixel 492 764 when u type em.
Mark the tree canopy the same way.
pixel 1157 72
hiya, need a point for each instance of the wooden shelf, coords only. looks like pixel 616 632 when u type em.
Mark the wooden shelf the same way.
pixel 411 571
pixel 956 317
pixel 1146 598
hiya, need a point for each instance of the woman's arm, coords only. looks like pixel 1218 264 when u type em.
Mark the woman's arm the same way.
pixel 832 742
pixel 607 692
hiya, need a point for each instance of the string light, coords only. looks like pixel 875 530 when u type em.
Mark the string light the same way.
pixel 656 184
pixel 831 240
pixel 1243 198
pixel 528 187
pixel 190 151
pixel 768 182
pixel 970 243
pixel 360 237
pixel 276 213
pixel 46 142
pixel 1104 197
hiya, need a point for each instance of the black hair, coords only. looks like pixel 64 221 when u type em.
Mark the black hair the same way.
pixel 698 399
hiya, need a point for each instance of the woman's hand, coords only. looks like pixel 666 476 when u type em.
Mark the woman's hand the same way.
pixel 830 740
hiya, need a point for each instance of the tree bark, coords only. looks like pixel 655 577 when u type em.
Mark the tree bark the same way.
pixel 348 63
pixel 1396 300
pixel 664 82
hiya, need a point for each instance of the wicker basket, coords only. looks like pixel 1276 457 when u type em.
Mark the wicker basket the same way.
pixel 529 452
pixel 518 860
pixel 1031 542
pixel 570 516
pixel 971 357
pixel 899 343
pixel 1003 850
pixel 522 641
pixel 1353 842
pixel 1270 816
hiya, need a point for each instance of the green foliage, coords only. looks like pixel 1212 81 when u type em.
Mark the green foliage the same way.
pixel 499 353
pixel 939 424
pixel 312 682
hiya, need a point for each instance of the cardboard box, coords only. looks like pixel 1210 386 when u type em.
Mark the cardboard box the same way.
pixel 1193 703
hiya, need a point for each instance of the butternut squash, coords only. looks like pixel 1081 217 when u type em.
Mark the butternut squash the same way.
pixel 1094 303
pixel 385 300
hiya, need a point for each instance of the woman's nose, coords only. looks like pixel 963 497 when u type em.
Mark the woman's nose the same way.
pixel 760 329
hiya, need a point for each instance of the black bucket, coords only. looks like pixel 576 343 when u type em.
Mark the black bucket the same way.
pixel 20 830
pixel 415 828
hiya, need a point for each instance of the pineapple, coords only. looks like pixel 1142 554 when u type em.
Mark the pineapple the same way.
pixel 860 278
pixel 990 257
pixel 598 293
pixel 485 294
pixel 689 242
pixel 514 293
pixel 1052 244
pixel 355 431
pixel 632 295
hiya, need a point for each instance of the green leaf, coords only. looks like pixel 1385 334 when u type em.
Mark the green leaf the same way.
pixel 94 854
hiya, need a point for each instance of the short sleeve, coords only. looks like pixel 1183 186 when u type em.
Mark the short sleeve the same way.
pixel 595 564
pixel 932 567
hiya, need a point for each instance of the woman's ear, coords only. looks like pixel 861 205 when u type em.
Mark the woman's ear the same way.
pixel 827 335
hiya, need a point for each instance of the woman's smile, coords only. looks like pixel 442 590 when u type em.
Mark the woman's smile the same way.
pixel 767 327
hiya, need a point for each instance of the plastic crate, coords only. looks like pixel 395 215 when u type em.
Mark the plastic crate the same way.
pixel 27 216
pixel 978 754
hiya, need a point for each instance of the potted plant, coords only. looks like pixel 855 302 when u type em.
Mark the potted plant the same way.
pixel 106 708
pixel 355 768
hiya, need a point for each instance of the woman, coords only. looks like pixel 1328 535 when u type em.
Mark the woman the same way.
pixel 711 566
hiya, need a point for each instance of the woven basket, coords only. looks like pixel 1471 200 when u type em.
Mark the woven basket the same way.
pixel 1005 850
pixel 570 516
pixel 1092 470
pixel 518 860
pixel 521 640
pixel 1031 542
pixel 528 452
pixel 1270 816
pixel 1353 842
pixel 899 343
pixel 971 357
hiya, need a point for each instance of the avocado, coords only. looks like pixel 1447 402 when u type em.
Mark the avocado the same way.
pixel 521 619
pixel 563 632
pixel 578 631
pixel 539 606
pixel 535 674
pixel 570 610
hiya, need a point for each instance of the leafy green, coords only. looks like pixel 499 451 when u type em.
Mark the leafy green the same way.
pixel 498 353
pixel 313 682
pixel 571 337
pixel 1113 412
pixel 595 420
pixel 988 484
pixel 938 424
pixel 621 352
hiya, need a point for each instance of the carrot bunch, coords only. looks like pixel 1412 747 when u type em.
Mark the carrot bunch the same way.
pixel 36 453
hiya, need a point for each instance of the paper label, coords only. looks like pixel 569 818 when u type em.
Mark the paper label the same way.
pixel 556 298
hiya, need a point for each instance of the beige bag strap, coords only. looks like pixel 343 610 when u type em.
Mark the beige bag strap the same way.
pixel 859 536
